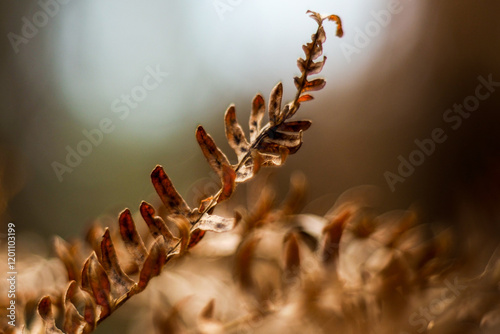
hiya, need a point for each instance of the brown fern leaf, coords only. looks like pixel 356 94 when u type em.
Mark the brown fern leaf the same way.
pixel 109 261
pixel 97 284
pixel 174 203
pixel 234 133
pixel 132 239
pixel 45 311
pixel 68 257
pixel 153 264
pixel 102 281
pixel 157 226
pixel 308 66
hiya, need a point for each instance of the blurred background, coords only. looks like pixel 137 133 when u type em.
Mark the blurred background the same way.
pixel 138 77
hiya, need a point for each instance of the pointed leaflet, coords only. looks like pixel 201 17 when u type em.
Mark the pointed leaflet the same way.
pixel 244 259
pixel 89 313
pixel 311 67
pixel 96 283
pixel 234 134
pixel 212 153
pixel 62 249
pixel 287 139
pixel 276 145
pixel 156 225
pixel 206 321
pixel 132 239
pixel 295 198
pixel 331 237
pixel 73 292
pixel 249 168
pixel 305 98
pixel 228 183
pixel 173 202
pixel 301 64
pixel 45 311
pixel 195 238
pixel 292 256
pixel 336 19
pixel 313 85
pixel 316 17
pixel 256 116
pixel 272 160
pixel 274 108
pixel 73 321
pixel 295 126
pixel 153 264
pixel 208 311
pixel 109 260
pixel 246 170
pixel 316 67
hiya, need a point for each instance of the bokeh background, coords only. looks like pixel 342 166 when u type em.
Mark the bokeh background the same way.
pixel 384 91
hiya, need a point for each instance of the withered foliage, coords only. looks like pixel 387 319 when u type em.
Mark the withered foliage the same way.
pixel 122 264
pixel 351 271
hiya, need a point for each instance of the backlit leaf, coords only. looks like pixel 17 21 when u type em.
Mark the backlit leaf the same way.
pixel 243 262
pixel 301 64
pixel 228 183
pixel 256 116
pixel 96 283
pixel 174 203
pixel 336 19
pixel 73 321
pixel 292 256
pixel 45 311
pixel 63 252
pixel 273 144
pixel 305 98
pixel 109 260
pixel 212 153
pixel 296 195
pixel 295 126
pixel 331 236
pixel 89 313
pixel 153 264
pixel 156 225
pixel 271 160
pixel 234 134
pixel 315 84
pixel 275 104
pixel 132 239
pixel 196 237
pixel 316 67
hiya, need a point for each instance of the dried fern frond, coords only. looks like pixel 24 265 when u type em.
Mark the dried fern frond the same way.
pixel 107 283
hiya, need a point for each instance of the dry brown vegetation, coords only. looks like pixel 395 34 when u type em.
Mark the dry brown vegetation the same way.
pixel 268 269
